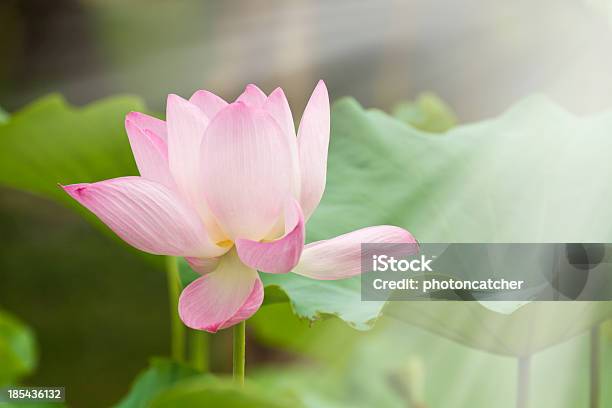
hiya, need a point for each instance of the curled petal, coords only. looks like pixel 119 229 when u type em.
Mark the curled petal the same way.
pixel 249 307
pixel 340 257
pixel 246 171
pixel 147 215
pixel 230 294
pixel 150 153
pixel 252 96
pixel 149 123
pixel 281 255
pixel 313 142
pixel 209 103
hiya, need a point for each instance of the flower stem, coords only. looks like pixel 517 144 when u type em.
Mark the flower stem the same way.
pixel 239 350
pixel 199 349
pixel 522 393
pixel 177 327
pixel 595 367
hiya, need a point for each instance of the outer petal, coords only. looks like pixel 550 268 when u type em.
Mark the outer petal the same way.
pixel 340 257
pixel 147 215
pixel 246 171
pixel 252 96
pixel 249 307
pixel 186 127
pixel 150 153
pixel 313 141
pixel 232 293
pixel 209 103
pixel 281 255
pixel 149 123
pixel 278 106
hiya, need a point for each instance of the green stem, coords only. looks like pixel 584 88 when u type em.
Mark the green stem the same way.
pixel 199 349
pixel 522 394
pixel 239 349
pixel 595 367
pixel 177 327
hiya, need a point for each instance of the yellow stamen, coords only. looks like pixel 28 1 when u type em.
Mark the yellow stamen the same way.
pixel 226 243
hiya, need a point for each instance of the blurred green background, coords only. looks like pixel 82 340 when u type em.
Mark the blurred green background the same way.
pixel 99 311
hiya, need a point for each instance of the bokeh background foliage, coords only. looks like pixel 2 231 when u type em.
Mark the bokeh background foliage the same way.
pixel 17 349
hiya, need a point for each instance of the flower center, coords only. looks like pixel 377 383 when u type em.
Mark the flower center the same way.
pixel 225 243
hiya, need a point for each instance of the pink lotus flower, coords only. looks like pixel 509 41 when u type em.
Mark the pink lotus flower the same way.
pixel 229 187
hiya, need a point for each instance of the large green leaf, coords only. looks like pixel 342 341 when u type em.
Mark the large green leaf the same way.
pixel 397 365
pixel 18 355
pixel 535 174
pixel 469 377
pixel 275 325
pixel 219 392
pixel 531 328
pixel 50 142
pixel 161 375
pixel 168 383
pixel 316 386
pixel 314 300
